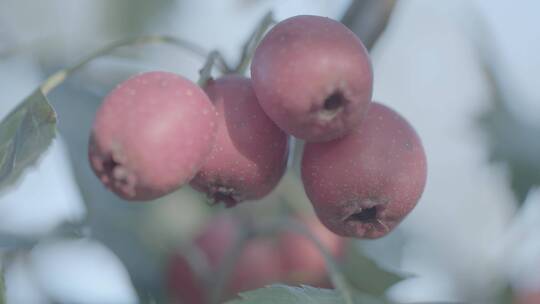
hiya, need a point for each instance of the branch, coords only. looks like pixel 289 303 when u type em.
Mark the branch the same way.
pixel 368 19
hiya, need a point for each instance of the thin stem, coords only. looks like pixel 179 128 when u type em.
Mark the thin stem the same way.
pixel 11 242
pixel 66 230
pixel 352 12
pixel 57 78
pixel 368 19
pixel 338 280
pixel 226 268
pixel 206 71
pixel 253 41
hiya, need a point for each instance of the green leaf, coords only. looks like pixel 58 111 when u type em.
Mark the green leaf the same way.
pixel 365 275
pixel 30 128
pixel 2 289
pixel 25 134
pixel 288 294
pixel 298 295
pixel 505 295
pixel 512 141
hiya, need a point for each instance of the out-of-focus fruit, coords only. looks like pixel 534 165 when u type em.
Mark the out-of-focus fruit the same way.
pixel 184 285
pixel 301 260
pixel 189 273
pixel 526 296
pixel 257 266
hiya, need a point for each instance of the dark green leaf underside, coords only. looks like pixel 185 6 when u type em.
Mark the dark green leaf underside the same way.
pixel 283 294
pixel 287 294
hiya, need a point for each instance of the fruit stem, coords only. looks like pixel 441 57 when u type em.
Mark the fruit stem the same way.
pixel 57 78
pixel 205 73
pixel 251 44
pixel 226 268
pixel 368 19
pixel 338 280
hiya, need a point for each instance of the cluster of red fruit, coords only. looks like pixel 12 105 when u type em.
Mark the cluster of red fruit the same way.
pixel 287 257
pixel 363 166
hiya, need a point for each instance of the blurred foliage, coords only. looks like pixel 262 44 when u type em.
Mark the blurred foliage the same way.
pixel 506 296
pixel 512 141
pixel 131 17
pixel 365 275
pixel 368 19
pixel 25 134
pixel 2 289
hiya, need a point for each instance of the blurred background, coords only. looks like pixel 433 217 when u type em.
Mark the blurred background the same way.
pixel 464 73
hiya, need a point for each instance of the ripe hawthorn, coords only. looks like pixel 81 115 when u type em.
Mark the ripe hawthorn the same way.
pixel 364 184
pixel 151 135
pixel 313 77
pixel 250 154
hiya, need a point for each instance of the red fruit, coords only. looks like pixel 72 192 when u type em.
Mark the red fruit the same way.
pixel 217 238
pixel 257 266
pixel 527 297
pixel 189 280
pixel 151 135
pixel 183 283
pixel 301 260
pixel 313 77
pixel 250 154
pixel 364 184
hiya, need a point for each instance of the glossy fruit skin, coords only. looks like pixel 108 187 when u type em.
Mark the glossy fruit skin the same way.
pixel 364 184
pixel 313 77
pixel 301 260
pixel 151 135
pixel 250 154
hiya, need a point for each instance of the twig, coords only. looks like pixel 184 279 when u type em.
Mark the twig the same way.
pixel 251 44
pixel 368 19
pixel 205 73
pixel 57 78
pixel 338 280
pixel 226 268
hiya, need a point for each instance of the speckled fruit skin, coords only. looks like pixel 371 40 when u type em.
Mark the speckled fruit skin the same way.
pixel 250 154
pixel 301 260
pixel 364 184
pixel 151 135
pixel 313 77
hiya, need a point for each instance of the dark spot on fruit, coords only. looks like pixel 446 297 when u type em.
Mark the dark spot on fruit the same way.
pixel 332 105
pixel 365 215
pixel 334 101
pixel 228 196
pixel 108 166
pixel 225 198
